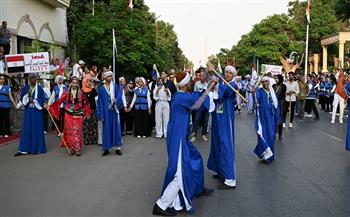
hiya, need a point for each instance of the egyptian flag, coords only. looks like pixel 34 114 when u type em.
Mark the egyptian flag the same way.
pixel 308 7
pixel 15 63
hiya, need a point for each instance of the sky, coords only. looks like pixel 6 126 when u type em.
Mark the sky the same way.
pixel 205 26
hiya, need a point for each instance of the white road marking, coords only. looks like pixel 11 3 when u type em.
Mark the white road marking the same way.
pixel 330 135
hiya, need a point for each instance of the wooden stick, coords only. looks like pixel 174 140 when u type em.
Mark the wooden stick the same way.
pixel 290 109
pixel 58 130
pixel 234 89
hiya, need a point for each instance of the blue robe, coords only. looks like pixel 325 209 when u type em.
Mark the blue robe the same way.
pixel 191 162
pixel 266 118
pixel 112 135
pixel 347 144
pixel 221 158
pixel 32 135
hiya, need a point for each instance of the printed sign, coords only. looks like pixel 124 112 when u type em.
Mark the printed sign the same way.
pixel 28 63
pixel 274 69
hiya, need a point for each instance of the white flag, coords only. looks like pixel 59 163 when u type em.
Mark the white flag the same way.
pixel 115 55
pixel 130 4
pixel 308 11
pixel 219 67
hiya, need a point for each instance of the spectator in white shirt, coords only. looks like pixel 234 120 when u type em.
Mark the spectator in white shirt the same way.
pixel 162 96
pixel 291 96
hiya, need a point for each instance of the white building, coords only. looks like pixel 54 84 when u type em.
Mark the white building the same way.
pixel 43 20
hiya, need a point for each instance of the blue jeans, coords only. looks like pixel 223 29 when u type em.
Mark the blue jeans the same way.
pixel 201 120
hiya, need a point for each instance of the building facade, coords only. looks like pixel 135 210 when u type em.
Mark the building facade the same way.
pixel 42 20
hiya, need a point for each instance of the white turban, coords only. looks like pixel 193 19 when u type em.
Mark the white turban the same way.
pixel 57 78
pixel 265 78
pixel 142 79
pixel 231 69
pixel 121 78
pixel 184 81
pixel 106 74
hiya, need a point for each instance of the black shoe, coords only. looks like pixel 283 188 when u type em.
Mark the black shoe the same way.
pixel 118 152
pixel 206 192
pixel 18 154
pixel 158 211
pixel 280 138
pixel 171 210
pixel 267 162
pixel 105 153
pixel 223 186
pixel 316 118
pixel 78 154
pixel 216 176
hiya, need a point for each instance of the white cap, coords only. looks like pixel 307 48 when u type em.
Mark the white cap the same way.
pixel 81 62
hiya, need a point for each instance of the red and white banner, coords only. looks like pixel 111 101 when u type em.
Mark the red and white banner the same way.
pixel 28 63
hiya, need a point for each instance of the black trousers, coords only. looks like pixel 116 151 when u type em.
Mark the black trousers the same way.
pixel 153 115
pixel 142 123
pixel 4 121
pixel 310 106
pixel 329 103
pixel 279 127
pixel 322 101
pixel 60 122
pixel 126 121
pixel 286 110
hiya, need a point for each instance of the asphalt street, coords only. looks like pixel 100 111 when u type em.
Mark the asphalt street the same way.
pixel 310 177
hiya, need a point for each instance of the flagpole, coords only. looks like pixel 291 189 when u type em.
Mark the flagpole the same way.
pixel 307 49
pixel 93 7
pixel 113 56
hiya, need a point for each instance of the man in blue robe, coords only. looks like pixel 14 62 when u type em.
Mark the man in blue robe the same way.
pixel 184 177
pixel 267 116
pixel 221 158
pixel 32 136
pixel 108 104
pixel 347 91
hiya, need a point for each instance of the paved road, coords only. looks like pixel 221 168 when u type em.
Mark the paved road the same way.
pixel 310 177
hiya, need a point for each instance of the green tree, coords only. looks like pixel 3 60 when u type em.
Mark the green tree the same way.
pixel 342 9
pixel 141 43
pixel 280 34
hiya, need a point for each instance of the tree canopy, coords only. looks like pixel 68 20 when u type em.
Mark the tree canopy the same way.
pixel 281 34
pixel 141 40
pixel 342 9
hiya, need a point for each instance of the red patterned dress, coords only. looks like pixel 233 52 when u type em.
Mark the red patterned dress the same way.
pixel 75 110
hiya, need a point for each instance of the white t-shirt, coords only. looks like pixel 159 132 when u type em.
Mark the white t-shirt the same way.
pixel 292 86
